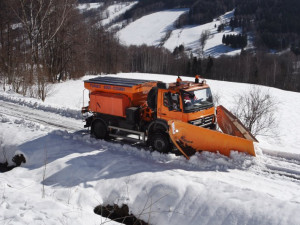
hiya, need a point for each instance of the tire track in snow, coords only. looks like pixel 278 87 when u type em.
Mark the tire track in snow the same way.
pixel 38 116
pixel 284 166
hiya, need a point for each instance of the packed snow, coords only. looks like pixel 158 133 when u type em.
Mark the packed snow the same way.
pixel 67 174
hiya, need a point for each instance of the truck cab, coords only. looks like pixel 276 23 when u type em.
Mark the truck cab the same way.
pixel 188 102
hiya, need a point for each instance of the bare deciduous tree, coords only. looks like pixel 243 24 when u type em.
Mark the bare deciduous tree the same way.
pixel 203 40
pixel 256 109
pixel 217 98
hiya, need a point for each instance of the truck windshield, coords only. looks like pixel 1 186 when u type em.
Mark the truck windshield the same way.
pixel 197 100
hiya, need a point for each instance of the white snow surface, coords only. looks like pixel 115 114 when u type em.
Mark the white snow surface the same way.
pixel 150 29
pixel 116 10
pixel 89 6
pixel 189 37
pixel 67 174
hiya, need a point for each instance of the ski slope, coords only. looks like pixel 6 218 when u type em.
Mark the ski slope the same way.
pixel 158 29
pixel 154 28
pixel 189 37
pixel 68 173
pixel 150 29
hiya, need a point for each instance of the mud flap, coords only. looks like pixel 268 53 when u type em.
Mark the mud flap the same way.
pixel 190 139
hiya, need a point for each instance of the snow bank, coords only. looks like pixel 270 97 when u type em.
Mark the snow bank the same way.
pixel 66 99
pixel 36 104
pixel 73 173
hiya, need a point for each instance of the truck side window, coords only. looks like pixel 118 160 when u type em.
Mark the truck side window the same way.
pixel 171 100
pixel 166 100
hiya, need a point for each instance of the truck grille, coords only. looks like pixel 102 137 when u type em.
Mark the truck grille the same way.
pixel 203 122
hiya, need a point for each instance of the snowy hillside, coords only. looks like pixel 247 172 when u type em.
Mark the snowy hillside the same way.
pixel 189 37
pixel 150 29
pixel 89 6
pixel 158 29
pixel 112 12
pixel 68 173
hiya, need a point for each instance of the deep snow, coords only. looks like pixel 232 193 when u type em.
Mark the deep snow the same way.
pixel 78 173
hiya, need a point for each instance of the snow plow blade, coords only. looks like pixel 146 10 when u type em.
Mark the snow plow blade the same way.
pixel 231 125
pixel 190 139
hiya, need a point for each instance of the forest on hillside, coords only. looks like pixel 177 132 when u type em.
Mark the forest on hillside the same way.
pixel 43 42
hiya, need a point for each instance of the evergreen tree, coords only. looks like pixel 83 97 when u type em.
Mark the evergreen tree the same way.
pixel 209 66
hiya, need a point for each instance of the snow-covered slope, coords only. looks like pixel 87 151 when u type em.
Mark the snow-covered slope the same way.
pixel 67 174
pixel 157 29
pixel 189 37
pixel 150 29
pixel 89 6
pixel 114 11
pixel 153 28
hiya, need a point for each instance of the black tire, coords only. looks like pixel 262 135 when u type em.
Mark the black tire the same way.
pixel 160 142
pixel 99 129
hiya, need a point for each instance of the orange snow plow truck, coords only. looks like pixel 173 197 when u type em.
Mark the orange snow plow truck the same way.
pixel 163 115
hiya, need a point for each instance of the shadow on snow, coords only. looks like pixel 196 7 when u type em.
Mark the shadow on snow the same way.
pixel 84 159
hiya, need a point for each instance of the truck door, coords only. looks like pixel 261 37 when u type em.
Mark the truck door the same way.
pixel 169 105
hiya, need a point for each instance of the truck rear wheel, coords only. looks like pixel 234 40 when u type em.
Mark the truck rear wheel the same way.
pixel 160 142
pixel 99 129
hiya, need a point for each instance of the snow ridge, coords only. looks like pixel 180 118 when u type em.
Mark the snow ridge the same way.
pixel 35 104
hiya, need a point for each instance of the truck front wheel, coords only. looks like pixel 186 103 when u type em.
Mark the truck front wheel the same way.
pixel 160 142
pixel 99 129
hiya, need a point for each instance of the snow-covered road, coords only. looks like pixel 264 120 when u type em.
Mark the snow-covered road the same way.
pixel 46 118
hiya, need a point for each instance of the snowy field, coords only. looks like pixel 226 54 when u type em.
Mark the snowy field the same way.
pixel 151 29
pixel 67 173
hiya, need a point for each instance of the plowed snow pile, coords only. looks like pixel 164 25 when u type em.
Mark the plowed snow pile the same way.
pixel 68 174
